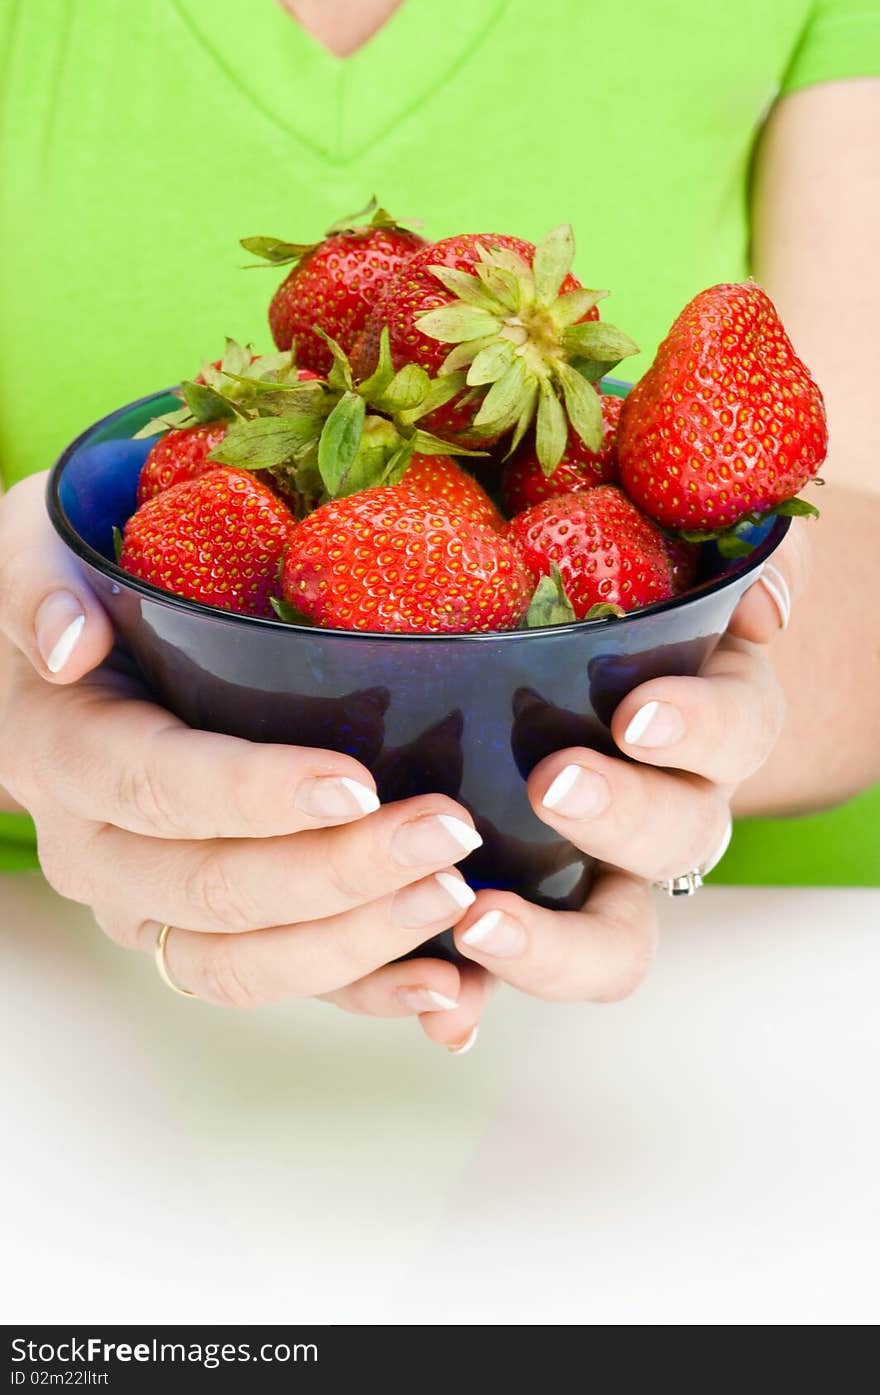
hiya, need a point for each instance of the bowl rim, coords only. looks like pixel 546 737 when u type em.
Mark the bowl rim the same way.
pixel 742 567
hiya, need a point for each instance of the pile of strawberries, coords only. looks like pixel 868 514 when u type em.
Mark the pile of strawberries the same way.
pixel 430 451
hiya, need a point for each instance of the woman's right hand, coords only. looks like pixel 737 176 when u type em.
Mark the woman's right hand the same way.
pixel 276 866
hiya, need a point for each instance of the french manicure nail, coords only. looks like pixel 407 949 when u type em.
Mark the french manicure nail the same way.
pixel 655 724
pixel 58 625
pixel 443 896
pixel 464 1046
pixel 496 933
pixel 776 586
pixel 433 838
pixel 578 793
pixel 335 797
pixel 424 1000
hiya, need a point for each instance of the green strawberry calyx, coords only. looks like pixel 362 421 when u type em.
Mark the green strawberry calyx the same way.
pixel 328 438
pixel 515 335
pixel 226 392
pixel 733 541
pixel 550 605
pixel 286 612
pixel 274 251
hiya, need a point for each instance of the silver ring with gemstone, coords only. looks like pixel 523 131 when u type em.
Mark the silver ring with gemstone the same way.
pixel 690 882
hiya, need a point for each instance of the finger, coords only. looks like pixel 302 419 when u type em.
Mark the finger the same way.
pixel 47 609
pixel 236 885
pixel 600 954
pixel 651 823
pixel 721 725
pixel 458 1030
pixel 305 960
pixel 410 989
pixel 765 609
pixel 115 760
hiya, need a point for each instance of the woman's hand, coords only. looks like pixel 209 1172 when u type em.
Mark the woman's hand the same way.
pixel 150 823
pixel 695 740
pixel 276 867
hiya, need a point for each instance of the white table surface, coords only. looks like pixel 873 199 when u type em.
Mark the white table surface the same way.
pixel 706 1152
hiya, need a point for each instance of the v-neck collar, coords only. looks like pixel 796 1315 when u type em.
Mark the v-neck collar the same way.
pixel 339 107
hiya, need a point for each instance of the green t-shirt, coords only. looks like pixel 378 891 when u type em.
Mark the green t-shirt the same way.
pixel 139 141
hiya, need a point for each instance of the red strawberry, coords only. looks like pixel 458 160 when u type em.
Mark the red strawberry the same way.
pixel 518 319
pixel 391 559
pixel 525 483
pixel 606 551
pixel 727 421
pixel 178 456
pixel 413 292
pixel 218 539
pixel 334 283
pixel 182 453
pixel 439 477
pixel 416 289
pixel 683 557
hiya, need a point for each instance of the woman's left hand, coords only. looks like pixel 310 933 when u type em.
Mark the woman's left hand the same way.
pixel 695 740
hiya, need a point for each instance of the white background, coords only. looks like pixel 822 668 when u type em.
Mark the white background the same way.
pixel 707 1152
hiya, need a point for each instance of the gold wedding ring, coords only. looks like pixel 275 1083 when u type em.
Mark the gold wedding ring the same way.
pixel 159 954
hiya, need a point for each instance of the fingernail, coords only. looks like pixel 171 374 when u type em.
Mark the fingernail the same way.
pixel 435 838
pixel 335 797
pixel 496 933
pixel 58 625
pixel 465 1045
pixel 578 793
pixel 655 724
pixel 776 586
pixel 436 898
pixel 424 1000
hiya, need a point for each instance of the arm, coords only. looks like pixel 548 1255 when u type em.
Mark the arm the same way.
pixel 816 226
pixel 7 803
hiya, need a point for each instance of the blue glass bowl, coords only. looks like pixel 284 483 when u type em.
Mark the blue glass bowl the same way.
pixel 464 715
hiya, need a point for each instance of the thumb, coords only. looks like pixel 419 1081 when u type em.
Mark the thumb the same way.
pixel 47 609
pixel 765 609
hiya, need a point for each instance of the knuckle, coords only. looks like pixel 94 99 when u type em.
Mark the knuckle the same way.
pixel 252 787
pixel 773 711
pixel 699 829
pixel 19 597
pixel 142 797
pixel 553 971
pixel 23 769
pixel 117 928
pixel 226 980
pixel 353 999
pixel 10 580
pixel 63 869
pixel 353 881
pixel 216 897
pixel 552 980
pixel 762 730
pixel 358 953
pixel 62 763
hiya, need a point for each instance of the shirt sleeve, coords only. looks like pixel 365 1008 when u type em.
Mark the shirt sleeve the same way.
pixel 18 843
pixel 841 40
